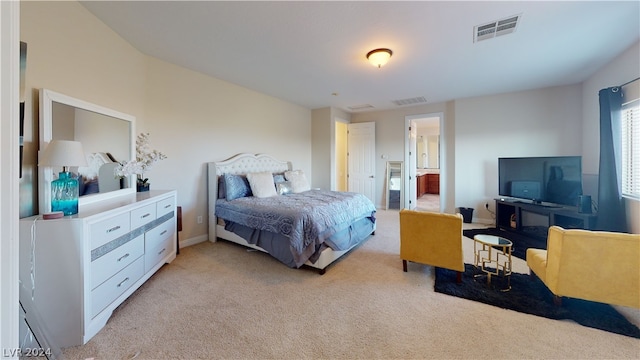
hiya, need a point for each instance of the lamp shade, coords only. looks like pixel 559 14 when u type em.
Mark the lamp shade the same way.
pixel 63 153
pixel 379 57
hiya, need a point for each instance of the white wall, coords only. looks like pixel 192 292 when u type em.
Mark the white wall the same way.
pixel 390 142
pixel 543 122
pixel 553 121
pixel 71 52
pixel 195 119
pixel 560 120
pixel 322 131
pixel 192 118
pixel 477 131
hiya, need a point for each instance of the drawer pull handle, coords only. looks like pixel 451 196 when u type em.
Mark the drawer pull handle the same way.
pixel 123 281
pixel 145 215
pixel 164 232
pixel 167 206
pixel 124 256
pixel 161 251
pixel 114 228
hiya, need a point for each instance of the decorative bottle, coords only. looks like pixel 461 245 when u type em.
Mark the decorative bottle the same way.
pixel 64 193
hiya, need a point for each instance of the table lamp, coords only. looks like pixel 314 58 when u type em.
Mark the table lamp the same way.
pixel 64 190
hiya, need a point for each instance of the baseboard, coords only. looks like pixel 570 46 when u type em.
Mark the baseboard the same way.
pixel 491 222
pixel 193 241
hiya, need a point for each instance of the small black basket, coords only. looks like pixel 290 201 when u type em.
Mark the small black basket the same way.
pixel 467 214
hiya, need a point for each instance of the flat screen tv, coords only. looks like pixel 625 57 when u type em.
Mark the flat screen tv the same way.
pixel 551 179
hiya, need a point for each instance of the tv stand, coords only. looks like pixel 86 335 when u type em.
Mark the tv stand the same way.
pixel 514 215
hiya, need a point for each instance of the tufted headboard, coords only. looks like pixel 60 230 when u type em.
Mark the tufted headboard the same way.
pixel 238 165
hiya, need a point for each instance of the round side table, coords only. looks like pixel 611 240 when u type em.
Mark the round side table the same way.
pixel 492 255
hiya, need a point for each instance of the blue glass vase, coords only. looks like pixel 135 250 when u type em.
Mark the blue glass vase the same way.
pixel 64 194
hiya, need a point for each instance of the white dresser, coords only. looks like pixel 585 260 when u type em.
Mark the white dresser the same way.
pixel 76 270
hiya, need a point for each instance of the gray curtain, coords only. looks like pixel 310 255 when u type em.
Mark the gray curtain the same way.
pixel 611 209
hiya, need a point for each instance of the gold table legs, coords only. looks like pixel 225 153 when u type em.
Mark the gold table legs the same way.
pixel 492 256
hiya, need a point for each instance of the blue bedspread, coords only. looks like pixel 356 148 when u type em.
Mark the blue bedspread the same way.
pixel 306 218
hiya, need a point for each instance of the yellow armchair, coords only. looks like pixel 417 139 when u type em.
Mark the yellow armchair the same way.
pixel 432 239
pixel 597 266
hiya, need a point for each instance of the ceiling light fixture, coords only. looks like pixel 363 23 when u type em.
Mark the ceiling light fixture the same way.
pixel 379 57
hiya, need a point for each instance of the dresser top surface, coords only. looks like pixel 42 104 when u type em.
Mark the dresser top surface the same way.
pixel 120 203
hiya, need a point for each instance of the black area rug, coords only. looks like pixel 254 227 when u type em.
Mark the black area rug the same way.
pixel 520 242
pixel 532 297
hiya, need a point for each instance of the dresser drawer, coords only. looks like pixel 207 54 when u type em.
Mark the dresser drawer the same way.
pixel 154 255
pixel 107 265
pixel 106 293
pixel 104 231
pixel 166 206
pixel 142 216
pixel 159 233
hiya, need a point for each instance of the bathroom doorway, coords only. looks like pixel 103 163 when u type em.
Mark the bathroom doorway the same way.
pixel 424 158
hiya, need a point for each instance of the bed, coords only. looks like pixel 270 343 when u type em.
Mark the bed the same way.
pixel 306 227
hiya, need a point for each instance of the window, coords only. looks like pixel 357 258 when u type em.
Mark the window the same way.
pixel 631 149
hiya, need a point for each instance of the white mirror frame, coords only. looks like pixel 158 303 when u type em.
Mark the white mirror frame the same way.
pixel 394 166
pixel 45 173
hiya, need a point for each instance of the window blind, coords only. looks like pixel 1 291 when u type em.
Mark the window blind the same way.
pixel 631 149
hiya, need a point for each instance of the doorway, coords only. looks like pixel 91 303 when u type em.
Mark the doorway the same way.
pixel 361 160
pixel 423 144
pixel 354 158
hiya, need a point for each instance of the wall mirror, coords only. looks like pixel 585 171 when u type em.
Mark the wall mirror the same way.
pixel 428 150
pixel 106 135
pixel 394 184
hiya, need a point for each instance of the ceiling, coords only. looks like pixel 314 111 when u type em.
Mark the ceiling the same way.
pixel 312 53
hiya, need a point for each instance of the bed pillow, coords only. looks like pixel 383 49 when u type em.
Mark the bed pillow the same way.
pixel 236 186
pixel 278 178
pixel 221 190
pixel 262 184
pixel 299 182
pixel 88 187
pixel 94 162
pixel 284 187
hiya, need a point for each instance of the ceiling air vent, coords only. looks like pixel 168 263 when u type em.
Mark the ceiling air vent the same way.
pixel 360 107
pixel 410 101
pixel 496 28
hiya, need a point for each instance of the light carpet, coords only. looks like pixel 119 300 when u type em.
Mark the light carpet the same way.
pixel 218 300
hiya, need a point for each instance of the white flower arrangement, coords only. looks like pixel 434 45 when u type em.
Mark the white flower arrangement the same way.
pixel 145 158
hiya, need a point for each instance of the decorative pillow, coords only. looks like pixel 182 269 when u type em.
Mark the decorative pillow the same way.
pixel 278 178
pixel 262 184
pixel 298 181
pixel 221 191
pixel 94 162
pixel 236 186
pixel 284 187
pixel 90 187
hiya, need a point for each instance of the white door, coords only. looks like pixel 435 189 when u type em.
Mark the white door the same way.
pixel 410 169
pixel 361 147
